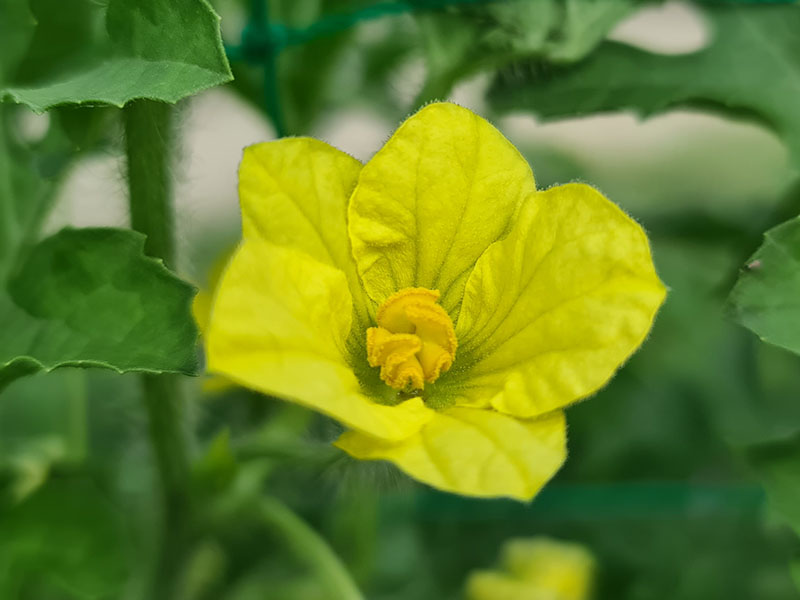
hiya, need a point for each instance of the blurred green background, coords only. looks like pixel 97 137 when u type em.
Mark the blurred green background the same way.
pixel 665 479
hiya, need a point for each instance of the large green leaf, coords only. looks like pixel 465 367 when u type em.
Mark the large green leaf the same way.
pixel 148 49
pixel 766 298
pixel 90 297
pixel 751 67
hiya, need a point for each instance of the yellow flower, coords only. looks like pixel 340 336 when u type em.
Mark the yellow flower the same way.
pixel 536 569
pixel 201 311
pixel 431 300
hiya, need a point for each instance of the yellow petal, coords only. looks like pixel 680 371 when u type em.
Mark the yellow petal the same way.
pixel 474 452
pixel 294 193
pixel 427 205
pixel 492 585
pixel 201 310
pixel 536 568
pixel 551 312
pixel 279 324
pixel 563 569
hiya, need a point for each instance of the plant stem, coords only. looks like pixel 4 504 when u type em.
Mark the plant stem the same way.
pixel 272 94
pixel 272 97
pixel 148 138
pixel 310 548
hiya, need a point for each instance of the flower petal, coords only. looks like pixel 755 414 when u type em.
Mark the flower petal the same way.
pixel 294 193
pixel 428 204
pixel 474 452
pixel 493 585
pixel 279 324
pixel 551 311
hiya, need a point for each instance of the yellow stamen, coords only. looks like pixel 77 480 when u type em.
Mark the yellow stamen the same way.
pixel 414 341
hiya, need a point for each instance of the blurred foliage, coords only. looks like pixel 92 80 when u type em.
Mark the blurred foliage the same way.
pixel 32 548
pixel 664 480
pixel 463 42
pixel 751 68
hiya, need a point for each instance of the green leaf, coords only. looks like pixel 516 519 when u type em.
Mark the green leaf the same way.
pixel 30 173
pixel 795 570
pixel 777 465
pixel 149 49
pixel 766 298
pixel 16 27
pixel 90 297
pixel 463 41
pixel 751 67
pixel 216 469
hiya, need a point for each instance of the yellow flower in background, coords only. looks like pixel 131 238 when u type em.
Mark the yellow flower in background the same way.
pixel 536 569
pixel 432 301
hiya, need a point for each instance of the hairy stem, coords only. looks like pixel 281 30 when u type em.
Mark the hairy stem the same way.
pixel 148 138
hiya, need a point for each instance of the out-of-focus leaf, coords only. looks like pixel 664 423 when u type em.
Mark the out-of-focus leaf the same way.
pixel 352 528
pixel 766 298
pixel 305 73
pixel 706 366
pixel 64 33
pixel 31 171
pixel 16 27
pixel 148 49
pixel 42 423
pixel 751 68
pixel 217 467
pixel 90 297
pixel 66 541
pixel 778 466
pixel 465 40
pixel 795 569
pixel 203 575
pixel 584 24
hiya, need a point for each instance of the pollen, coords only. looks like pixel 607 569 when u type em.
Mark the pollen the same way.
pixel 414 341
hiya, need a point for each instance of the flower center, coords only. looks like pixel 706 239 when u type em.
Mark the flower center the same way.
pixel 414 341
